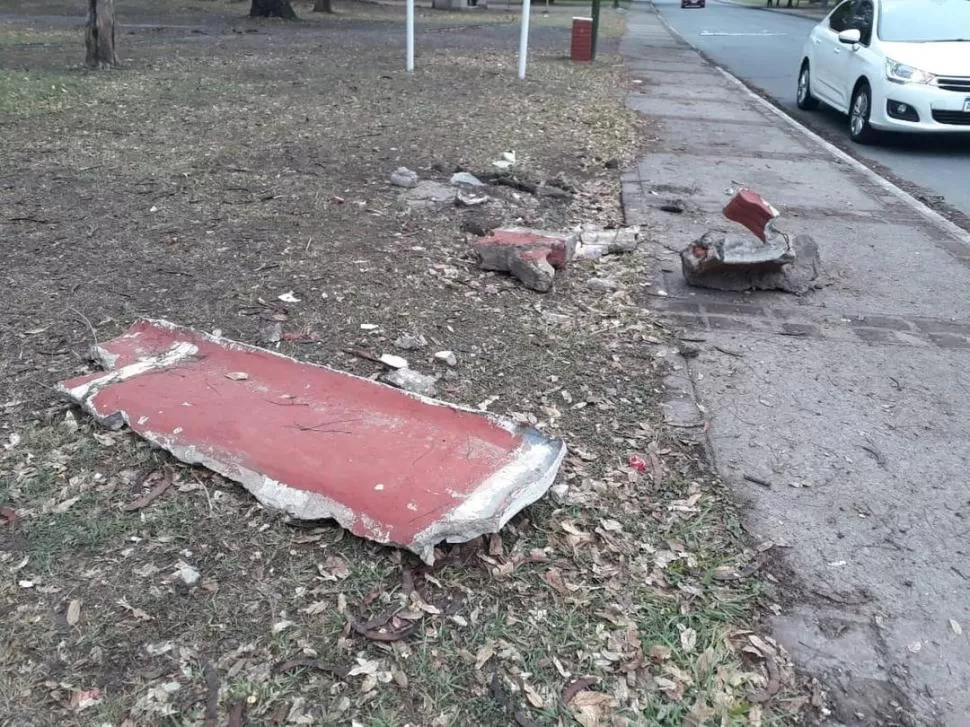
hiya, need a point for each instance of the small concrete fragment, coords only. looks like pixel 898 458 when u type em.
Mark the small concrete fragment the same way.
pixel 429 194
pixel 404 177
pixel 318 443
pixel 772 260
pixel 466 179
pixel 188 575
pixel 411 342
pixel 532 256
pixel 447 357
pixel 471 200
pixel 413 381
pixel 594 244
pixel 602 285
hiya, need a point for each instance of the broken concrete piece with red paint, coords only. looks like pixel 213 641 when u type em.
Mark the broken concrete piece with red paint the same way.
pixel 750 209
pixel 532 256
pixel 317 443
pixel 772 260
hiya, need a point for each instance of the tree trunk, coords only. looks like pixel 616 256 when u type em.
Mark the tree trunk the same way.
pixel 100 39
pixel 272 9
pixel 323 6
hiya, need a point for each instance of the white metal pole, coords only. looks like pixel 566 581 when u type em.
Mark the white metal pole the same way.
pixel 524 36
pixel 410 32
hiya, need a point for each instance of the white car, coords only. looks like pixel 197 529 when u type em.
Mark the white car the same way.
pixel 891 65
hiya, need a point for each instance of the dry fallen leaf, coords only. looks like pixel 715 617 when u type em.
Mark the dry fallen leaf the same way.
pixel 554 578
pixel 74 612
pixel 688 640
pixel 84 699
pixel 484 654
pixel 589 698
pixel 337 566
pixel 533 697
pixel 957 628
pixel 136 612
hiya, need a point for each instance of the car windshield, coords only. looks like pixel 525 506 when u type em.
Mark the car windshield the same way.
pixel 924 21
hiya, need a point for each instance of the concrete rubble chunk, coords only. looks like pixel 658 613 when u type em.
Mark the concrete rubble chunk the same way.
pixel 411 342
pixel 467 179
pixel 188 575
pixel 532 256
pixel 771 260
pixel 602 285
pixel 317 443
pixel 404 177
pixel 447 357
pixel 594 244
pixel 429 194
pixel 413 381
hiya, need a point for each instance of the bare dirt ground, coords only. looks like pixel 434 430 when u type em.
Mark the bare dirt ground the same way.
pixel 231 161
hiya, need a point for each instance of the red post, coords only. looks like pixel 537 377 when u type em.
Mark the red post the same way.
pixel 581 50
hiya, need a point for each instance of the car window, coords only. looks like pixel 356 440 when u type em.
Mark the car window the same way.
pixel 862 17
pixel 839 19
pixel 904 21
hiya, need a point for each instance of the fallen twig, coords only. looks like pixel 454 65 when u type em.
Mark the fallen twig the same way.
pixel 315 664
pixel 497 690
pixel 212 695
pixel 758 481
pixel 575 687
pixel 237 715
pixel 150 496
pixel 876 454
pixel 773 685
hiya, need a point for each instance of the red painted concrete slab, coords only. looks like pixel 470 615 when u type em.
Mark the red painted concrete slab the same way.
pixel 318 443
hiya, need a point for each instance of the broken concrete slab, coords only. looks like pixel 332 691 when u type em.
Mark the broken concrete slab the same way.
pixel 772 260
pixel 318 443
pixel 723 261
pixel 532 256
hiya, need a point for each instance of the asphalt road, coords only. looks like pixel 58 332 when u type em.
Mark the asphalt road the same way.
pixel 765 49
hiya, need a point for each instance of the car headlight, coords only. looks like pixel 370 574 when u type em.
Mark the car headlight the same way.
pixel 901 73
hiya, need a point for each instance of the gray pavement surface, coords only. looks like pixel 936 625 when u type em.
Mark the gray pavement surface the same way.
pixel 853 401
pixel 765 49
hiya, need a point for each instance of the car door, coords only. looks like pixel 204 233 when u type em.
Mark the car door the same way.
pixel 830 55
pixel 851 61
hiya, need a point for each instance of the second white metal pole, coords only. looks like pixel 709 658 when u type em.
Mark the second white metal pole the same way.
pixel 410 33
pixel 523 37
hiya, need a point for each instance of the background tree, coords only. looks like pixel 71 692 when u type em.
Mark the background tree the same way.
pixel 323 6
pixel 100 37
pixel 272 9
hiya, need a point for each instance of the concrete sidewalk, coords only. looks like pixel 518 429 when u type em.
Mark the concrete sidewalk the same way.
pixel 853 402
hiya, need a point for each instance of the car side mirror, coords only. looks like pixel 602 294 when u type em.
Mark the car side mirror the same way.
pixel 850 36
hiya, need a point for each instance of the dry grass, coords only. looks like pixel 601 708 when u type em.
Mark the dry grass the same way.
pixel 225 167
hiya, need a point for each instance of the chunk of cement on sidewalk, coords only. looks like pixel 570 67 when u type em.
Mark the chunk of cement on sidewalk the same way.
pixel 317 443
pixel 771 260
pixel 532 256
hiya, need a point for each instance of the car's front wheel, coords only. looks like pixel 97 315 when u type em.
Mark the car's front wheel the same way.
pixel 859 112
pixel 804 97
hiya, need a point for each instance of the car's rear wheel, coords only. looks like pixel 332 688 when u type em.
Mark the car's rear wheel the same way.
pixel 859 112
pixel 804 96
